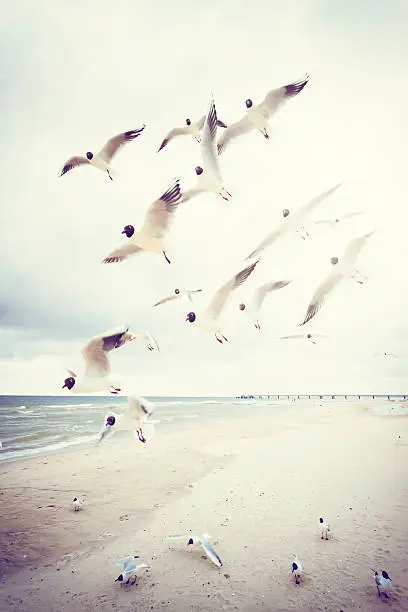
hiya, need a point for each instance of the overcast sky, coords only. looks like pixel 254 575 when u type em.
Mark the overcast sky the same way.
pixel 77 73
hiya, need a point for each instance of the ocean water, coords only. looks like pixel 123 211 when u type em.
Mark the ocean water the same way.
pixel 36 425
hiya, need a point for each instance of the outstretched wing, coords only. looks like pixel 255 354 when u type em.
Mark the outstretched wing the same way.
pixel 113 145
pixel 353 250
pixel 208 141
pixel 95 351
pixel 263 290
pixel 159 214
pixel 222 296
pixel 73 162
pixel 178 131
pixel 269 240
pixel 209 550
pixel 147 339
pixel 243 126
pixel 322 292
pixel 123 252
pixel 275 98
pixel 169 298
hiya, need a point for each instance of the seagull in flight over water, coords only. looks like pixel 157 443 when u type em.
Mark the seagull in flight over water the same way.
pixel 257 116
pixel 102 159
pixel 178 294
pixel 193 129
pixel 136 415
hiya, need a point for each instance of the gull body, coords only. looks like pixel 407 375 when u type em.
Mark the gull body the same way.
pixel 292 221
pixel 383 582
pixel 343 268
pixel 203 540
pixel 297 570
pixel 178 294
pixel 209 176
pixel 77 504
pixel 102 159
pixel 191 128
pixel 258 298
pixel 209 319
pixel 312 338
pixel 324 529
pixel 152 234
pixel 135 417
pixel 130 569
pixel 258 116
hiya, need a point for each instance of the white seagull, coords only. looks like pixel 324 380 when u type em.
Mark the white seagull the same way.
pixel 190 129
pixel 96 356
pixel 297 570
pixel 135 417
pixel 77 504
pixel 383 582
pixel 257 116
pixel 336 220
pixel 324 529
pixel 309 337
pixel 291 222
pixel 209 319
pixel 391 355
pixel 102 159
pixel 205 541
pixel 178 294
pixel 130 569
pixel 151 236
pixel 258 299
pixel 342 269
pixel 209 178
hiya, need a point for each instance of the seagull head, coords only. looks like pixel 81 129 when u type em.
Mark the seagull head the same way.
pixel 69 382
pixel 242 306
pixel 129 230
pixel 309 336
pixel 191 317
pixel 177 291
pixel 75 499
pixel 248 103
pixel 119 578
pixel 188 121
pixel 321 520
pixel 285 212
pixel 198 170
pixel 294 567
pixel 110 421
pixel 334 260
pixel 191 541
pixel 89 155
pixel 385 575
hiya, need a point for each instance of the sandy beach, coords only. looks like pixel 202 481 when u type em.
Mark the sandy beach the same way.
pixel 256 483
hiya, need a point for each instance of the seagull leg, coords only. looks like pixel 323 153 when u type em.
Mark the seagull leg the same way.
pixel 265 133
pixel 257 325
pixel 109 175
pixel 165 257
pixel 140 435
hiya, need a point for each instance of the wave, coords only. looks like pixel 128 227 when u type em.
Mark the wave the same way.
pixel 66 405
pixel 44 450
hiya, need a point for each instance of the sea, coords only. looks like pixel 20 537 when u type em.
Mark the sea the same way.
pixel 38 425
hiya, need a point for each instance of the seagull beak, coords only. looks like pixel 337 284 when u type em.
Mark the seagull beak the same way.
pixel 187 319
pixel 64 386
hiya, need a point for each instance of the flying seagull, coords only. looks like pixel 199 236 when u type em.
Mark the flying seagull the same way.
pixel 257 116
pixel 102 159
pixel 336 220
pixel 190 129
pixel 205 541
pixel 178 294
pixel 291 222
pixel 133 419
pixel 209 319
pixel 97 367
pixel 310 337
pixel 130 569
pixel 259 297
pixel 342 269
pixel 209 177
pixel 151 236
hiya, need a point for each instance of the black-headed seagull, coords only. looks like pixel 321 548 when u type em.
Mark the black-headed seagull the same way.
pixel 191 128
pixel 102 159
pixel 130 569
pixel 177 295
pixel 258 116
pixel 259 296
pixel 135 417
pixel 383 582
pixel 309 337
pixel 203 540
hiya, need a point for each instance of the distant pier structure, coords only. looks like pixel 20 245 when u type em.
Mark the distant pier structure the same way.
pixel 311 396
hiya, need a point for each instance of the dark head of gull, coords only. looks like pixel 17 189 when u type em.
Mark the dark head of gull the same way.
pixel 177 291
pixel 89 155
pixel 285 212
pixel 309 336
pixel 334 260
pixel 248 103
pixel 129 230
pixel 198 170
pixel 69 382
pixel 191 541
pixel 110 420
pixel 321 520
pixel 191 317
pixel 385 575
pixel 242 306
pixel 119 578
pixel 188 121
pixel 75 499
pixel 294 567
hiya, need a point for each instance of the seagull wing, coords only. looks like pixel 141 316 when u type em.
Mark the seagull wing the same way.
pixel 353 250
pixel 208 141
pixel 263 290
pixel 159 214
pixel 123 252
pixel 349 215
pixel 321 293
pixel 222 296
pixel 95 352
pixel 139 409
pixel 243 126
pixel 73 162
pixel 191 193
pixel 306 209
pixel 209 550
pixel 270 239
pixel 147 339
pixel 293 336
pixel 113 145
pixel 169 298
pixel 275 98
pixel 178 131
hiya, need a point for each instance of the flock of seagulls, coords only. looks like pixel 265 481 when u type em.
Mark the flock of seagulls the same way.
pixel 152 237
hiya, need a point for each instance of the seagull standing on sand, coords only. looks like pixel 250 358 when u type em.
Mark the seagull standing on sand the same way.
pixel 205 541
pixel 190 129
pixel 156 224
pixel 342 268
pixel 257 116
pixel 209 319
pixel 258 299
pixel 133 419
pixel 310 337
pixel 129 569
pixel 297 570
pixel 97 367
pixel 209 178
pixel 383 582
pixel 178 294
pixel 102 159
pixel 291 222
pixel 77 504
pixel 324 528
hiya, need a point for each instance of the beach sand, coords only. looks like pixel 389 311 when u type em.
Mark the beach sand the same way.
pixel 257 484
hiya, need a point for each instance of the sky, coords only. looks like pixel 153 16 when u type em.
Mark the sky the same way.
pixel 77 73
